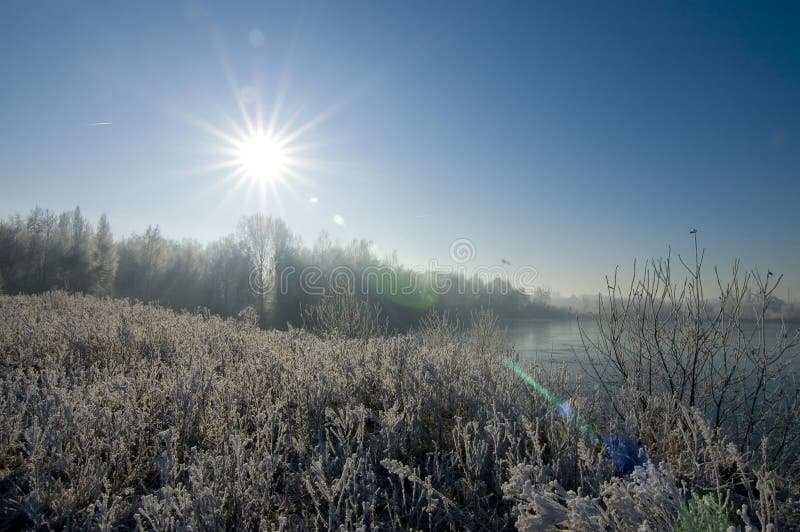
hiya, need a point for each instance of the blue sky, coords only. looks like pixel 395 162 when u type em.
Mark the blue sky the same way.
pixel 569 136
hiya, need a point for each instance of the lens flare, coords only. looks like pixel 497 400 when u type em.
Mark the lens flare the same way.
pixel 624 453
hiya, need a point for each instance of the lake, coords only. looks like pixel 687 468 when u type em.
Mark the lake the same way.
pixel 559 341
pixel 548 340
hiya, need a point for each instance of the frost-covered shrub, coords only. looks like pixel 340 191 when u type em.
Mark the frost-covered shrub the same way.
pixel 116 415
pixel 648 499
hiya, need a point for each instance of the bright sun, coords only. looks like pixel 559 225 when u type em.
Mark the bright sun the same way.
pixel 262 157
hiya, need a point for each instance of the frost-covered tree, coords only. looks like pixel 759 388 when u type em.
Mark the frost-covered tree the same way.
pixel 226 277
pixel 104 263
pixel 256 237
pixel 40 230
pixel 78 257
pixel 140 261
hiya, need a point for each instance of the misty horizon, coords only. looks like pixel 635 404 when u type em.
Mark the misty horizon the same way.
pixel 338 268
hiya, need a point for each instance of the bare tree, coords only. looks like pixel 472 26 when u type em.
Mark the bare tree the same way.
pixel 662 336
pixel 256 237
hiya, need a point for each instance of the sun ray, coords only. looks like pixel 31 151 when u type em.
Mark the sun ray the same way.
pixel 264 155
pixel 264 150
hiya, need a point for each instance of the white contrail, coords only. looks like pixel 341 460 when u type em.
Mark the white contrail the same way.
pixel 99 124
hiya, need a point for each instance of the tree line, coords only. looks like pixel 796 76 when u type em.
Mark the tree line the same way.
pixel 262 265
